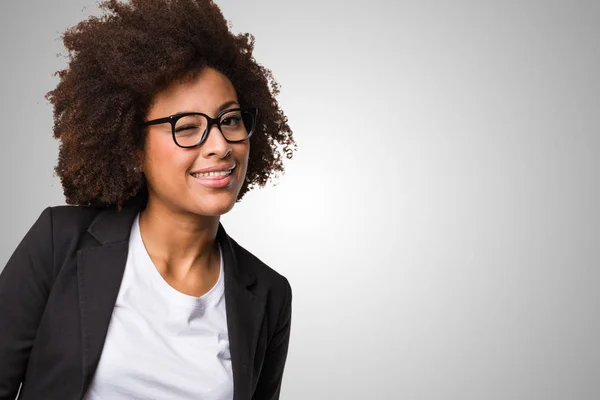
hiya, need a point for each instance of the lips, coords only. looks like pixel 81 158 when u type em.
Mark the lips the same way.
pixel 215 168
pixel 213 174
pixel 214 177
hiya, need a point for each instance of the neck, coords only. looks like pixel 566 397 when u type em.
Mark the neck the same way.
pixel 179 241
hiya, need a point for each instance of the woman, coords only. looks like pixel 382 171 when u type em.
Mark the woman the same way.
pixel 134 290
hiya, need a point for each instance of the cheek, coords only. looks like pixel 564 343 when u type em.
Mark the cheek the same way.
pixel 163 161
pixel 243 152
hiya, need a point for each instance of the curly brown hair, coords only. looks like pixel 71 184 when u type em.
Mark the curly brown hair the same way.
pixel 117 63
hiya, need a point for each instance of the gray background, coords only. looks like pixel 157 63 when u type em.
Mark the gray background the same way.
pixel 439 224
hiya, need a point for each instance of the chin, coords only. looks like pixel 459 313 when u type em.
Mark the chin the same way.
pixel 216 206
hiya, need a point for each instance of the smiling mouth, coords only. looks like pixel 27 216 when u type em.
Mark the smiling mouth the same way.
pixel 218 174
pixel 214 174
pixel 215 179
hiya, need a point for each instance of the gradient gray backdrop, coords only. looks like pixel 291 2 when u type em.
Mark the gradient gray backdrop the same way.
pixel 439 224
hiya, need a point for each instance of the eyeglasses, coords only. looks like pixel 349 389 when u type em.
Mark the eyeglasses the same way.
pixel 191 129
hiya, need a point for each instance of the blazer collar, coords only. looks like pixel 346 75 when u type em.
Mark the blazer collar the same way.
pixel 100 271
pixel 113 226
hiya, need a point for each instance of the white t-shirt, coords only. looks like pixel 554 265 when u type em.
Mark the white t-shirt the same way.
pixel 161 343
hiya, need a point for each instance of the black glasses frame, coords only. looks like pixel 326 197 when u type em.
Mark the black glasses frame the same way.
pixel 172 119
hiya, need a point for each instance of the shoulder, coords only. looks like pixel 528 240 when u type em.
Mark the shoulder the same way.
pixel 70 221
pixel 56 232
pixel 69 227
pixel 63 219
pixel 267 278
pixel 74 215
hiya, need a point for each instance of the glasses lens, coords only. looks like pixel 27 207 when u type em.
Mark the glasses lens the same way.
pixel 237 125
pixel 189 130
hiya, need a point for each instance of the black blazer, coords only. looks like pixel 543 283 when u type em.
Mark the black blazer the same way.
pixel 58 290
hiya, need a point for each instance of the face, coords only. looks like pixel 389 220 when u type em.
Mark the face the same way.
pixel 172 172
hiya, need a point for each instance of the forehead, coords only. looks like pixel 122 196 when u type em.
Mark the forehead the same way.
pixel 205 92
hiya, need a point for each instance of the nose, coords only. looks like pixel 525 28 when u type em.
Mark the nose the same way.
pixel 215 144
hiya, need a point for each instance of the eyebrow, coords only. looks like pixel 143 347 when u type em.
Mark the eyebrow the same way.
pixel 221 108
pixel 227 104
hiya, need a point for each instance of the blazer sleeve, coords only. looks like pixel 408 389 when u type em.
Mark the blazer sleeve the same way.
pixel 25 283
pixel 269 383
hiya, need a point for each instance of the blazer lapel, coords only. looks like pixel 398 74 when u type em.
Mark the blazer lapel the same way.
pixel 100 270
pixel 99 274
pixel 245 312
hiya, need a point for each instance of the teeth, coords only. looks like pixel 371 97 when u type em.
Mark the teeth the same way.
pixel 207 174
